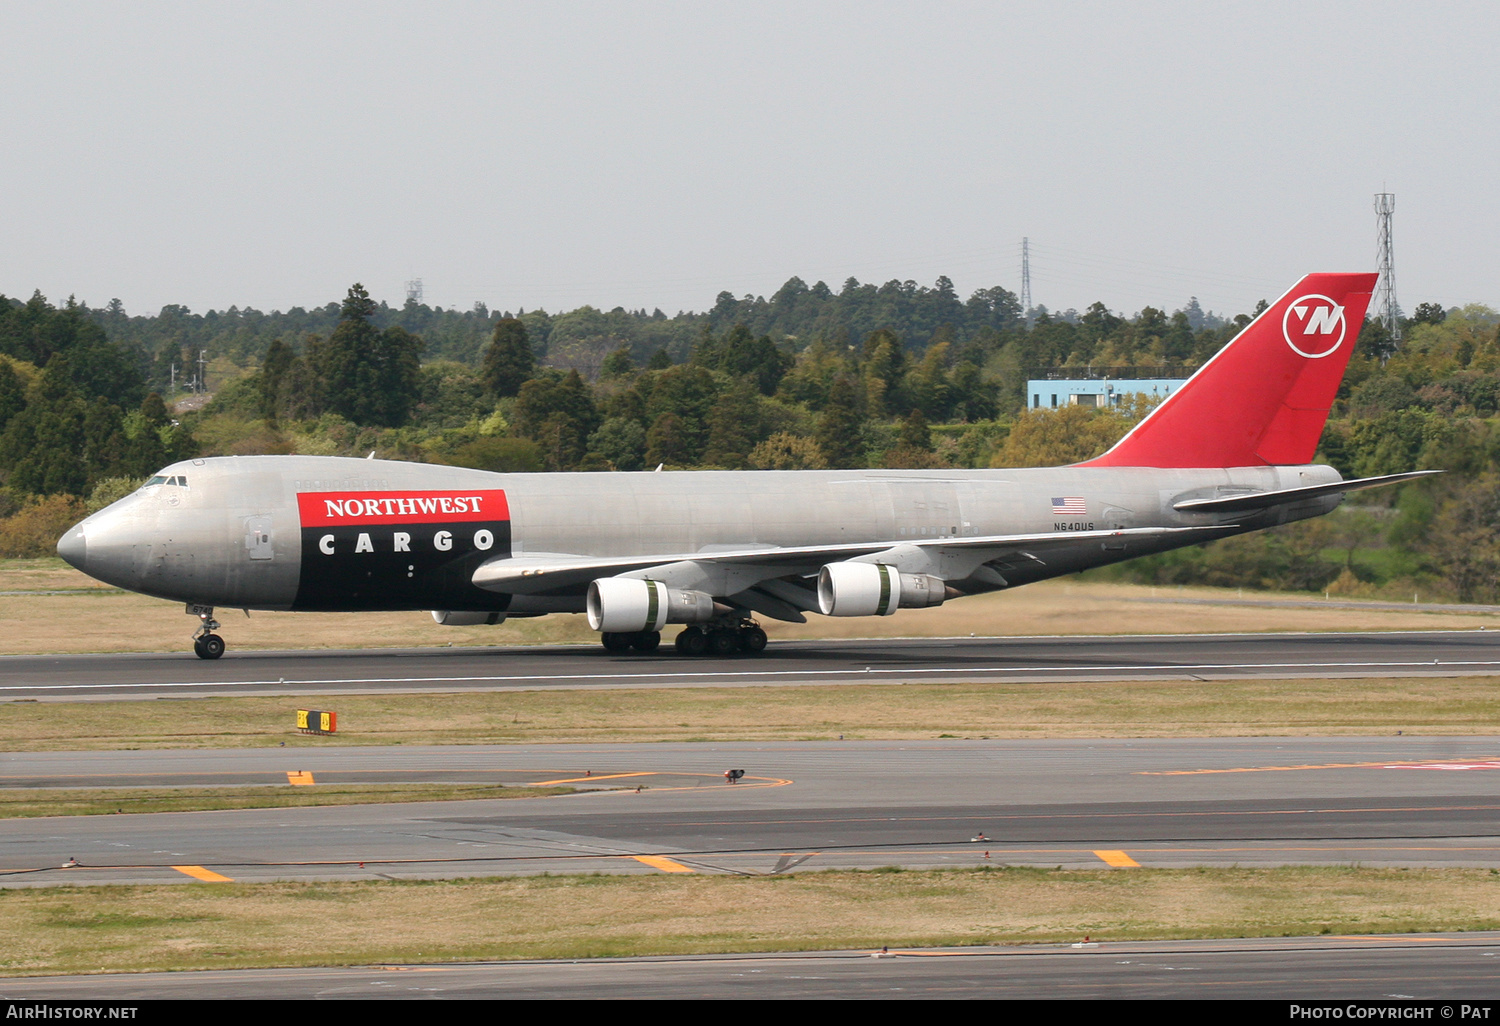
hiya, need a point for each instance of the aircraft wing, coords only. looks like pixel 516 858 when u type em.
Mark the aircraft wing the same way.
pixel 553 572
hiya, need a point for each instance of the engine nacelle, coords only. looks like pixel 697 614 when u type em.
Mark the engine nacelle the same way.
pixel 874 589
pixel 623 604
pixel 465 617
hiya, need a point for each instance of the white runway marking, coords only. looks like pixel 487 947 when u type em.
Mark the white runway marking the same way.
pixel 709 675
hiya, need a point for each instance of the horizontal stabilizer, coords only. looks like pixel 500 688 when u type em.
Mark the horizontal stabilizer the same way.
pixel 1263 500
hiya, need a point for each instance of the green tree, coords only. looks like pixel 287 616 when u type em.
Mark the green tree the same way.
pixel 145 449
pixel 499 453
pixel 913 449
pixel 786 451
pixel 43 447
pixel 973 398
pixel 687 392
pixel 734 428
pixel 273 374
pixel 927 384
pixel 1463 541
pixel 742 354
pixel 369 377
pixel 618 364
pixel 914 432
pixel 557 411
pixel 12 393
pixel 509 361
pixel 1054 438
pixel 620 442
pixel 103 440
pixel 841 428
pixel 884 367
pixel 669 441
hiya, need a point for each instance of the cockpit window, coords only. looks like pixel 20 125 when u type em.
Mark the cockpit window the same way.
pixel 160 479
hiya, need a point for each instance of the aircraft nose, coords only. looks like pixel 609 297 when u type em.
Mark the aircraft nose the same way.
pixel 74 547
pixel 106 545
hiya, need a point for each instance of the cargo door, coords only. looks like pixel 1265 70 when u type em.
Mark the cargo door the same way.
pixel 258 537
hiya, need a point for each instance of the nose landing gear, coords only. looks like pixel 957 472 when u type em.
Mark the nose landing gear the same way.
pixel 207 644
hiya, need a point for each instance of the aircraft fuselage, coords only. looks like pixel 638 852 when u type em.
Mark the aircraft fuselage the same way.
pixel 327 533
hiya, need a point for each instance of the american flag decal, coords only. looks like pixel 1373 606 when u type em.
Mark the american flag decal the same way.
pixel 1070 505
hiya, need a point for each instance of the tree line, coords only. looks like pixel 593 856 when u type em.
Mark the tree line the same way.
pixel 869 376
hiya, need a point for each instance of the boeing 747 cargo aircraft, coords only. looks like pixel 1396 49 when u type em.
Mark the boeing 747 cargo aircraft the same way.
pixel 1229 452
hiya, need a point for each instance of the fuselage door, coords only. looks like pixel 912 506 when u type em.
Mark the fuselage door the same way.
pixel 258 537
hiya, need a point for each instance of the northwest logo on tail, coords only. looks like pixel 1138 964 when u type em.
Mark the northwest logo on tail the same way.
pixel 1310 320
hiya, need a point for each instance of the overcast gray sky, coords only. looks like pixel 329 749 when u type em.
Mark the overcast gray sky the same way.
pixel 652 153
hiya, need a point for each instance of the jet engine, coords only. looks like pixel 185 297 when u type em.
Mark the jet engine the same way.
pixel 465 617
pixel 874 589
pixel 624 604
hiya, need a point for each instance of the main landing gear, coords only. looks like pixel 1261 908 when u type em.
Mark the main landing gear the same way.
pixel 644 642
pixel 207 644
pixel 722 639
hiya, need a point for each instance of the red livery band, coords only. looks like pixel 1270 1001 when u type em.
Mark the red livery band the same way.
pixel 337 509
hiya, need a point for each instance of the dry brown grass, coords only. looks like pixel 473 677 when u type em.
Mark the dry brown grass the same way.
pixel 213 926
pixel 93 618
pixel 1415 705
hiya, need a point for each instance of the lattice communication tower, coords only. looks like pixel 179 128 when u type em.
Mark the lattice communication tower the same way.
pixel 414 291
pixel 1385 292
pixel 1026 279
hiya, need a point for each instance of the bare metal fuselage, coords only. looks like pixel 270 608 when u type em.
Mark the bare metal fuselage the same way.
pixel 234 532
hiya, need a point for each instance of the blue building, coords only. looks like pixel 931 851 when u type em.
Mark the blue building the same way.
pixel 1052 393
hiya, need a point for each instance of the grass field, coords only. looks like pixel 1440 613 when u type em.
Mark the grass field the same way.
pixel 1416 705
pixel 218 926
pixel 23 803
pixel 48 606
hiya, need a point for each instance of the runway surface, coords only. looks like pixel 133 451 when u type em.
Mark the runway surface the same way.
pixel 1172 657
pixel 1393 801
pixel 1387 801
pixel 1455 968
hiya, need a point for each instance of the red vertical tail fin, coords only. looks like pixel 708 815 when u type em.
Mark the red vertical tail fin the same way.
pixel 1263 398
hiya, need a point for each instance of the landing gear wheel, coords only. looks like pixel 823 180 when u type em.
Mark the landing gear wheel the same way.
pixel 752 640
pixel 616 641
pixel 724 643
pixel 692 642
pixel 210 646
pixel 646 642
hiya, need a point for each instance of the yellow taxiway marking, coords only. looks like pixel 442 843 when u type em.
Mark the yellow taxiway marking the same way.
pixel 700 781
pixel 206 875
pixel 663 863
pixel 299 777
pixel 584 780
pixel 1386 763
pixel 1117 858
